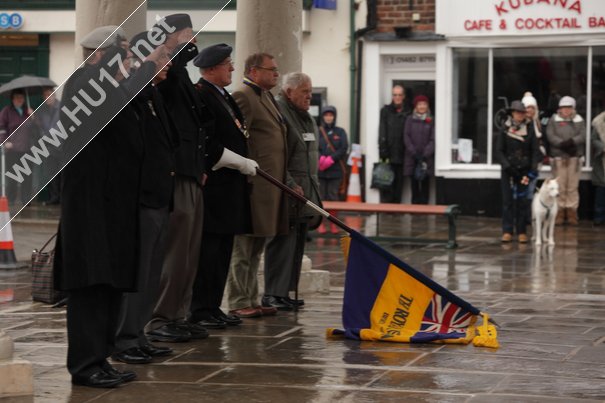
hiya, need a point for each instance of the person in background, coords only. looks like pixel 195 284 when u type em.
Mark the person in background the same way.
pixel 11 117
pixel 46 118
pixel 419 139
pixel 333 145
pixel 566 132
pixel 533 114
pixel 598 167
pixel 390 142
pixel 517 150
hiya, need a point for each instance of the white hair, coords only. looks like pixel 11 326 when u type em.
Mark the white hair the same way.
pixel 294 80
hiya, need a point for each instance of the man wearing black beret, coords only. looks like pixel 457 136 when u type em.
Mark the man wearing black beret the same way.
pixel 226 195
pixel 155 199
pixel 186 219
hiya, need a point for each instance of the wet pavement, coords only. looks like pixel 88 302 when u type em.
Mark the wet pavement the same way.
pixel 550 303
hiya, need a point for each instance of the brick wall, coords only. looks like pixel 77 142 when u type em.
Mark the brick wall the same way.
pixel 398 13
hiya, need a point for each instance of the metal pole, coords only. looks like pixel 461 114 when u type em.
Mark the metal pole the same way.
pixel 3 171
pixel 304 200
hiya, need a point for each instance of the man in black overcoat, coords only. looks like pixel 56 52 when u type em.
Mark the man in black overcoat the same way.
pixel 157 189
pixel 226 194
pixel 96 252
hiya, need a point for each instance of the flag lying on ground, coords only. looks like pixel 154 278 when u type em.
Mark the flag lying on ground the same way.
pixel 386 299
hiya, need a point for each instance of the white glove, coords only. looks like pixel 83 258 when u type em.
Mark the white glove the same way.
pixel 229 159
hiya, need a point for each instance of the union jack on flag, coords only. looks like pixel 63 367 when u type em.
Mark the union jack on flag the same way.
pixel 443 320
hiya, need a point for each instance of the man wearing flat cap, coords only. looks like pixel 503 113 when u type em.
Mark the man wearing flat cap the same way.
pixel 226 194
pixel 168 323
pixel 96 250
pixel 94 45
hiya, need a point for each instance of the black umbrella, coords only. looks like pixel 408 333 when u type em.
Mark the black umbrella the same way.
pixel 34 83
pixel 26 82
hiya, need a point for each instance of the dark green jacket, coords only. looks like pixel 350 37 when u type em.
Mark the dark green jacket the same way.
pixel 303 156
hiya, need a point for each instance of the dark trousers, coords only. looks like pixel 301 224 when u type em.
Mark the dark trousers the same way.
pixel 209 284
pixel 393 195
pixel 420 191
pixel 137 307
pixel 514 204
pixel 599 205
pixel 92 320
pixel 283 261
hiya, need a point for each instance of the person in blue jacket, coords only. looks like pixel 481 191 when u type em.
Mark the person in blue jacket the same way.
pixel 333 145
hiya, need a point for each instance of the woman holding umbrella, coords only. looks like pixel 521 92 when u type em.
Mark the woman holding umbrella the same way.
pixel 11 117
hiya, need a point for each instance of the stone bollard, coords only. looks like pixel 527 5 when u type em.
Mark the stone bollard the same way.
pixel 16 376
pixel 311 281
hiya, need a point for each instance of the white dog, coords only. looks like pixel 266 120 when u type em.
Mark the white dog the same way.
pixel 544 212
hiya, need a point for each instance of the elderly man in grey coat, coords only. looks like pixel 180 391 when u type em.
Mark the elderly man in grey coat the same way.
pixel 283 255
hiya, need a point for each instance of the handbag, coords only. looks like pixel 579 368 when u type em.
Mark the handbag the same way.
pixel 43 289
pixel 382 176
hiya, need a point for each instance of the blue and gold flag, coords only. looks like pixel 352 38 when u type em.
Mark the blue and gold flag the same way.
pixel 386 299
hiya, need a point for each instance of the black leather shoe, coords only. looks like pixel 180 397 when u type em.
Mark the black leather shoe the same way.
pixel 229 319
pixel 132 355
pixel 170 333
pixel 211 323
pixel 277 302
pixel 126 376
pixel 295 302
pixel 156 351
pixel 196 331
pixel 100 379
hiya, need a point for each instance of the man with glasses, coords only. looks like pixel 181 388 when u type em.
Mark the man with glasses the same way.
pixel 226 195
pixel 390 142
pixel 267 146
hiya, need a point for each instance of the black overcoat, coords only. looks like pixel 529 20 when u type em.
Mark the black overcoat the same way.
pixel 226 193
pixel 188 114
pixel 98 231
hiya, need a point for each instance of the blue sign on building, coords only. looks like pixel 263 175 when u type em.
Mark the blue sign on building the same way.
pixel 325 4
pixel 11 21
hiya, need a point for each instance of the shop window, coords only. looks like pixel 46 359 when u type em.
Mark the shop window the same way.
pixel 548 73
pixel 470 106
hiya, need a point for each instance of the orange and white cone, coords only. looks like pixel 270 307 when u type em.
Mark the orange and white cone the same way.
pixel 8 259
pixel 354 189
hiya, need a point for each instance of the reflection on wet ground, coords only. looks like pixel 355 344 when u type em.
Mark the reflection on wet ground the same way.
pixel 549 301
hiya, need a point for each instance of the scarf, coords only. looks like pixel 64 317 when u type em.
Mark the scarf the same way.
pixel 517 131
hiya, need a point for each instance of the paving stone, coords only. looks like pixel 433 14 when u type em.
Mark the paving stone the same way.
pixel 550 303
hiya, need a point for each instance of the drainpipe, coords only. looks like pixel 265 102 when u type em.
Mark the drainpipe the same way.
pixel 355 64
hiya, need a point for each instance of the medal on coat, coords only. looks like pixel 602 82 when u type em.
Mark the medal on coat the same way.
pixel 151 108
pixel 242 128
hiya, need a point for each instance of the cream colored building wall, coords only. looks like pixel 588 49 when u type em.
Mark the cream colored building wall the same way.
pixel 61 54
pixel 326 56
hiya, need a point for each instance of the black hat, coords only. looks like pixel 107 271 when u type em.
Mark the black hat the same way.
pixel 517 106
pixel 212 55
pixel 143 48
pixel 177 21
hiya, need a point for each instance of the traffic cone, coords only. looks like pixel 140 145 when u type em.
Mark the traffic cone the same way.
pixel 8 259
pixel 354 189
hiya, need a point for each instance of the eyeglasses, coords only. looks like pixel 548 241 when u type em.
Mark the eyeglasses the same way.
pixel 273 69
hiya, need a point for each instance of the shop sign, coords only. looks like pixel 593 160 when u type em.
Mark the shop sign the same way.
pixel 10 21
pixel 519 17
